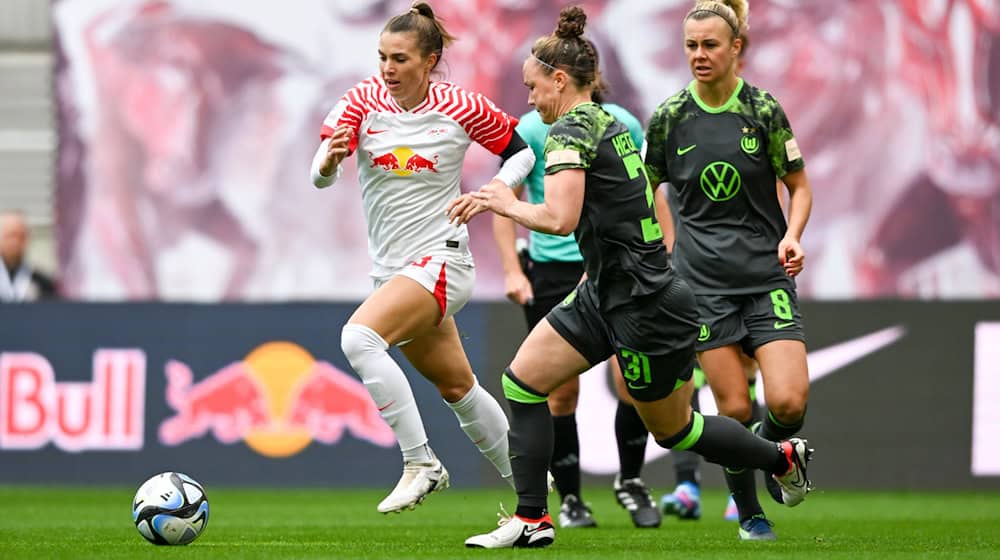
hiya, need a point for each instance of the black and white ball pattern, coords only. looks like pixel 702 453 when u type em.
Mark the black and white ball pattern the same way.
pixel 170 508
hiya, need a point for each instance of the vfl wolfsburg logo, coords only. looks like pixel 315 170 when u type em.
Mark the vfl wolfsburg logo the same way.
pixel 750 144
pixel 704 333
pixel 720 181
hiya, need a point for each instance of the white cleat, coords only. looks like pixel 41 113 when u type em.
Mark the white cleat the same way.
pixel 515 532
pixel 418 480
pixel 794 483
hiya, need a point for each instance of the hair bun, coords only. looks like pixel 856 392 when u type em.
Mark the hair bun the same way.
pixel 572 20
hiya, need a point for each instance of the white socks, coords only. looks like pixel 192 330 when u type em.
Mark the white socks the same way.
pixel 478 412
pixel 484 422
pixel 389 388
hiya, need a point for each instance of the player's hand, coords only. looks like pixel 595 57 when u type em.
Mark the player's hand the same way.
pixel 496 197
pixel 337 150
pixel 463 209
pixel 517 288
pixel 791 256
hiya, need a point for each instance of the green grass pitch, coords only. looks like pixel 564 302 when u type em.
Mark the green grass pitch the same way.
pixel 73 522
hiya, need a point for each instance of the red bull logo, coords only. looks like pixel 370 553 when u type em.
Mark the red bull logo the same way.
pixel 404 161
pixel 106 413
pixel 277 400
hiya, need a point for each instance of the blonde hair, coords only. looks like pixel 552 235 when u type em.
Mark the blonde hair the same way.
pixel 733 12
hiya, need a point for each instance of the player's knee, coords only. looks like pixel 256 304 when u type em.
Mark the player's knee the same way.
pixel 563 400
pixel 787 411
pixel 787 403
pixel 454 391
pixel 740 409
pixel 561 407
pixel 359 341
pixel 670 432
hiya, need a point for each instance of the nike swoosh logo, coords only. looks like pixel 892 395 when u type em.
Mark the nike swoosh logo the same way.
pixel 596 396
pixel 799 479
pixel 392 402
pixel 630 386
pixel 529 531
pixel 825 361
pixel 785 324
pixel 372 131
pixel 682 151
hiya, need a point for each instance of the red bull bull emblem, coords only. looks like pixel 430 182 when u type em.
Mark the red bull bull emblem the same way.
pixel 277 400
pixel 404 161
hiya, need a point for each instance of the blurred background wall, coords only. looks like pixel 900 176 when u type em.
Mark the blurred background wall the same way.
pixel 184 130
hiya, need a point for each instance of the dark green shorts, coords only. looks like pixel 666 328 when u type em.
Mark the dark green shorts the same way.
pixel 652 336
pixel 750 320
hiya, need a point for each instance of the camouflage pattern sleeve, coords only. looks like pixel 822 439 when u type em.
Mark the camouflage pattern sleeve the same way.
pixel 783 150
pixel 655 146
pixel 572 141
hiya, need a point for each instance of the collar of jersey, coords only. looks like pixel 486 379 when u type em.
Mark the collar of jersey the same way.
pixel 725 106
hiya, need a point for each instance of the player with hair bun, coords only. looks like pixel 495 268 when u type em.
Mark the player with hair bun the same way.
pixel 631 305
pixel 720 143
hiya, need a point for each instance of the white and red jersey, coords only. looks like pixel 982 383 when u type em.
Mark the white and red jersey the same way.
pixel 410 165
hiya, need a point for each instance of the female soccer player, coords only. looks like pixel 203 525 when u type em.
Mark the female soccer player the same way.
pixel 411 135
pixel 720 143
pixel 538 280
pixel 631 304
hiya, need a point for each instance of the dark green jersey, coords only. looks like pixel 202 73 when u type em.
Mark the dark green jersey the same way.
pixel 618 235
pixel 722 163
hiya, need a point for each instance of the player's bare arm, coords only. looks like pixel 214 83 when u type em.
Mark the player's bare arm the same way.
pixel 558 214
pixel 790 251
pixel 517 287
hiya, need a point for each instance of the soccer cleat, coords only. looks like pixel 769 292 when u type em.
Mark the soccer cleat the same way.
pixel 757 528
pixel 773 488
pixel 575 514
pixel 732 513
pixel 516 532
pixel 418 480
pixel 684 502
pixel 633 495
pixel 795 483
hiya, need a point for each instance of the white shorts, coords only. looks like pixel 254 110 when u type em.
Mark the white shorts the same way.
pixel 450 280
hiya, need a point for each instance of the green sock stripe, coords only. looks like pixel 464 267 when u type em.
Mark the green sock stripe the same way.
pixel 514 392
pixel 697 426
pixel 771 417
pixel 699 378
pixel 753 391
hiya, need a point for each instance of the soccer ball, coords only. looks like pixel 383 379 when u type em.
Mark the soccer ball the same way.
pixel 170 508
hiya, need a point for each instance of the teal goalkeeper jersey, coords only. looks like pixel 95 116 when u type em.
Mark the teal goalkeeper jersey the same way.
pixel 544 247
